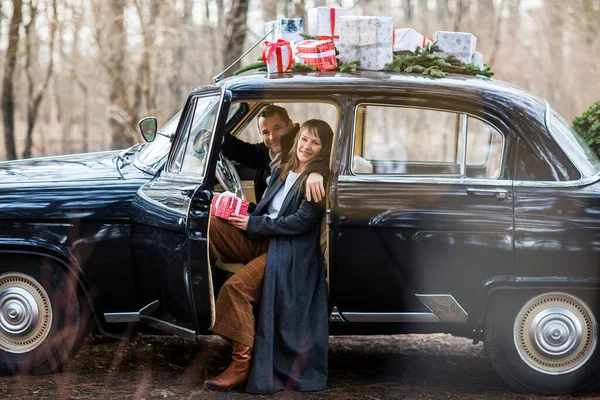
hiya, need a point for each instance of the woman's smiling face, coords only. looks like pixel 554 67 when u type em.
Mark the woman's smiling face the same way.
pixel 309 146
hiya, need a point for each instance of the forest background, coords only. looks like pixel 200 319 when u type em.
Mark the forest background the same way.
pixel 77 75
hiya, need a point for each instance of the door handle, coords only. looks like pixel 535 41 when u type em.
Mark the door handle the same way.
pixel 500 194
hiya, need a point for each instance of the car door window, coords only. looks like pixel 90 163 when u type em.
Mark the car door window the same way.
pixel 395 140
pixel 485 145
pixel 190 157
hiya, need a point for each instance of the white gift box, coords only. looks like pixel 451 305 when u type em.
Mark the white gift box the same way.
pixel 461 45
pixel 477 60
pixel 285 28
pixel 366 39
pixel 408 39
pixel 278 56
pixel 324 22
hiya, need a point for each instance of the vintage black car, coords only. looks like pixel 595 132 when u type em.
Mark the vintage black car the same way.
pixel 461 205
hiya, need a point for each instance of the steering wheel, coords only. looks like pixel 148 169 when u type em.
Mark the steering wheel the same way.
pixel 228 177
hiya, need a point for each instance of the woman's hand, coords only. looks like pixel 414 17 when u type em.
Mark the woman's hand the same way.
pixel 315 191
pixel 239 221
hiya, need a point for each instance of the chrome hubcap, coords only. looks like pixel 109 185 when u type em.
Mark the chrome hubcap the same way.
pixel 555 333
pixel 25 313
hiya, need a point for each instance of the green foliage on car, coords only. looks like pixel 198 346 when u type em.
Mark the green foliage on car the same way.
pixel 588 126
pixel 424 61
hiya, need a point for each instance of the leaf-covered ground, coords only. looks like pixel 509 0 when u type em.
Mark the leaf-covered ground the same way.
pixel 361 367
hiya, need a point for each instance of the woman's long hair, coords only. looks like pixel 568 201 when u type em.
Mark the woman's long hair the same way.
pixel 318 128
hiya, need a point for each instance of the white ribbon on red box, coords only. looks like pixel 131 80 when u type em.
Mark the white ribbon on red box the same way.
pixel 237 200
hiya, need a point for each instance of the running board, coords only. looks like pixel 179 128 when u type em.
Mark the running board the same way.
pixel 143 316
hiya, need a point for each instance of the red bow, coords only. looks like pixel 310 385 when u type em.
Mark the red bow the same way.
pixel 276 47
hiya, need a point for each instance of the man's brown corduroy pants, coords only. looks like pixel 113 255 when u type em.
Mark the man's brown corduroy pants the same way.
pixel 235 304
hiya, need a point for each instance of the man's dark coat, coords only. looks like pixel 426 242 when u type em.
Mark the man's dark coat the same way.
pixel 256 156
pixel 291 339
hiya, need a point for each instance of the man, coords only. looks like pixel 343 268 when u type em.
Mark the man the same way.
pixel 278 132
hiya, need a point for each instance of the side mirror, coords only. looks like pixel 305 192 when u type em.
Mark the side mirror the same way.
pixel 148 128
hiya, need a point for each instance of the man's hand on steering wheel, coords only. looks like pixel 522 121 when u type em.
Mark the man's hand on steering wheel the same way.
pixel 228 177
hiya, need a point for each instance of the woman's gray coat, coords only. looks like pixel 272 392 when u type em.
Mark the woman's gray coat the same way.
pixel 291 340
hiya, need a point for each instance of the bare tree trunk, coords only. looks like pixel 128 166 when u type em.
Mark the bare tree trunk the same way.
pixel 235 33
pixel 408 10
pixel 300 9
pixel 425 17
pixel 118 118
pixel 148 40
pixel 177 74
pixel 269 9
pixel 497 34
pixel 8 103
pixel 34 99
pixel 85 117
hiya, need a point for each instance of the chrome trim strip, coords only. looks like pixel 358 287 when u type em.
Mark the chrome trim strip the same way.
pixel 389 317
pixel 62 182
pixel 466 181
pixel 463 161
pixel 561 184
pixel 424 179
pixel 51 158
pixel 444 306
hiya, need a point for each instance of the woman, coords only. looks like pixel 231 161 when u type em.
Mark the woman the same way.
pixel 289 338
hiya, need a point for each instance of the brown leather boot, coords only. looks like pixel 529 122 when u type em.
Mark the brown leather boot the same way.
pixel 237 372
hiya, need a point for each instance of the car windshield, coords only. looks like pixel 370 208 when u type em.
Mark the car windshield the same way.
pixel 574 145
pixel 152 156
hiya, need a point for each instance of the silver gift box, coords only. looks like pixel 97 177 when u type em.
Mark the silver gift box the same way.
pixel 461 45
pixel 368 40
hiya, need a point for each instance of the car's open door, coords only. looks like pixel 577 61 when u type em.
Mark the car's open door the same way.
pixel 170 217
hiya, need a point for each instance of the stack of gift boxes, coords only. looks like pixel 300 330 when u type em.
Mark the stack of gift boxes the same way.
pixel 370 40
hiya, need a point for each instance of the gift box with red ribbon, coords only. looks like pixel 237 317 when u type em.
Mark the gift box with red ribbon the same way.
pixel 323 22
pixel 318 53
pixel 278 56
pixel 226 203
pixel 408 39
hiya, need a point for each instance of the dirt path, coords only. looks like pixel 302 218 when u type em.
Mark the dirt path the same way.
pixel 361 367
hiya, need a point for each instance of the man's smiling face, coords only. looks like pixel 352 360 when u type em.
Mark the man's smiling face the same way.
pixel 271 130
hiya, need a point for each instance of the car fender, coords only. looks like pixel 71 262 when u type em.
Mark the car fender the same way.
pixel 61 255
pixel 506 283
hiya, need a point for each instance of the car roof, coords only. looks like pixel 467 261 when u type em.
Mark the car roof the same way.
pixel 373 82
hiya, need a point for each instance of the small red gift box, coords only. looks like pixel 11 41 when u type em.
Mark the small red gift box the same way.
pixel 225 204
pixel 318 53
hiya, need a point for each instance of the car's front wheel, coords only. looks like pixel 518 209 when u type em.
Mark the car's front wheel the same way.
pixel 42 319
pixel 544 342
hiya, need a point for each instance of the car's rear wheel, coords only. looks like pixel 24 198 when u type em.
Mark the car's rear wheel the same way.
pixel 42 320
pixel 545 343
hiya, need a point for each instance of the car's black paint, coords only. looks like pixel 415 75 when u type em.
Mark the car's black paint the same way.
pixel 133 238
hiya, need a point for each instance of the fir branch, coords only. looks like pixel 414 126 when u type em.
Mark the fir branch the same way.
pixel 424 61
pixel 306 36
pixel 256 65
pixel 350 67
pixel 301 67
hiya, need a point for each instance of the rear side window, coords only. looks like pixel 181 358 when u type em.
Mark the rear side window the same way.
pixel 395 140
